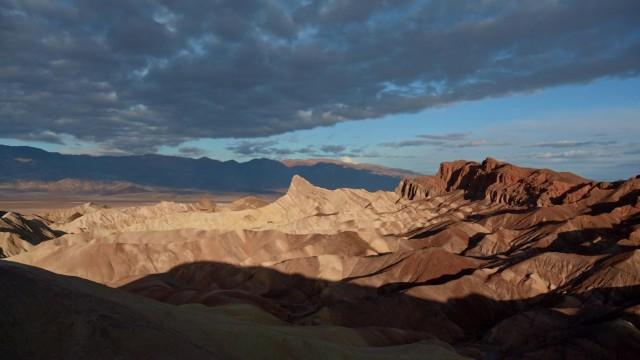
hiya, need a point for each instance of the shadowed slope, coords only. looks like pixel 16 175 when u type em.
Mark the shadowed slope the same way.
pixel 48 316
pixel 20 233
pixel 474 323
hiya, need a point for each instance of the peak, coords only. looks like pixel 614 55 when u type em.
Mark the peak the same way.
pixel 298 181
pixel 300 184
pixel 9 215
pixel 490 163
pixel 92 205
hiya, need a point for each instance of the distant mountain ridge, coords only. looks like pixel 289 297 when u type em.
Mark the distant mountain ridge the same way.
pixel 76 186
pixel 376 169
pixel 259 175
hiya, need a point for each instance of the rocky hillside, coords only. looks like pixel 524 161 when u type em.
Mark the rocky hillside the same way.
pixel 480 261
pixel 20 233
pixel 502 183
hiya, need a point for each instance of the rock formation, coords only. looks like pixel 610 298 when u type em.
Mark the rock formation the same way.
pixel 20 233
pixel 497 182
pixel 480 260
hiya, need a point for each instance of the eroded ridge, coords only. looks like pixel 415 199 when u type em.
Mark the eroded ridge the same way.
pixel 482 259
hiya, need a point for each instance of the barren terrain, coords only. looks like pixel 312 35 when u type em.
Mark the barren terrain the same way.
pixel 480 260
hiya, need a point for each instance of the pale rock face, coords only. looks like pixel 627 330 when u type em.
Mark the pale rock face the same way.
pixel 488 256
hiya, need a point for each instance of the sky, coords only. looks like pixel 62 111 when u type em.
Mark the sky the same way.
pixel 407 84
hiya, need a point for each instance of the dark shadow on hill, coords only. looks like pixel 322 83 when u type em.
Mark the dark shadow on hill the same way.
pixel 631 198
pixel 476 325
pixel 29 229
pixel 508 211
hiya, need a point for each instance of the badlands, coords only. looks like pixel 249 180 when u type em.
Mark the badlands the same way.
pixel 481 260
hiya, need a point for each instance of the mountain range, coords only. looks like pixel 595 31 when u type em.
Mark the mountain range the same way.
pixel 21 163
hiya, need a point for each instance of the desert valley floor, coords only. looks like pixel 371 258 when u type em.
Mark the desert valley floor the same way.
pixel 482 260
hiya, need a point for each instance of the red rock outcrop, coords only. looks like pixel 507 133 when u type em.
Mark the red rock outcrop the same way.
pixel 497 182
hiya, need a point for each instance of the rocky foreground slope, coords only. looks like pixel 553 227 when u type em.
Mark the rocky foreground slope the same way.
pixel 481 260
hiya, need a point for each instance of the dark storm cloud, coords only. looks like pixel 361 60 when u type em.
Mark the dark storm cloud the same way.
pixel 133 75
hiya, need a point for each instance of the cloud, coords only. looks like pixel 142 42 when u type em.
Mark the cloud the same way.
pixel 252 148
pixel 571 143
pixel 473 143
pixel 347 159
pixel 333 148
pixel 192 151
pixel 445 140
pixel 479 143
pixel 571 154
pixel 411 143
pixel 428 139
pixel 630 148
pixel 133 76
pixel 273 149
pixel 446 137
pixel 43 136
